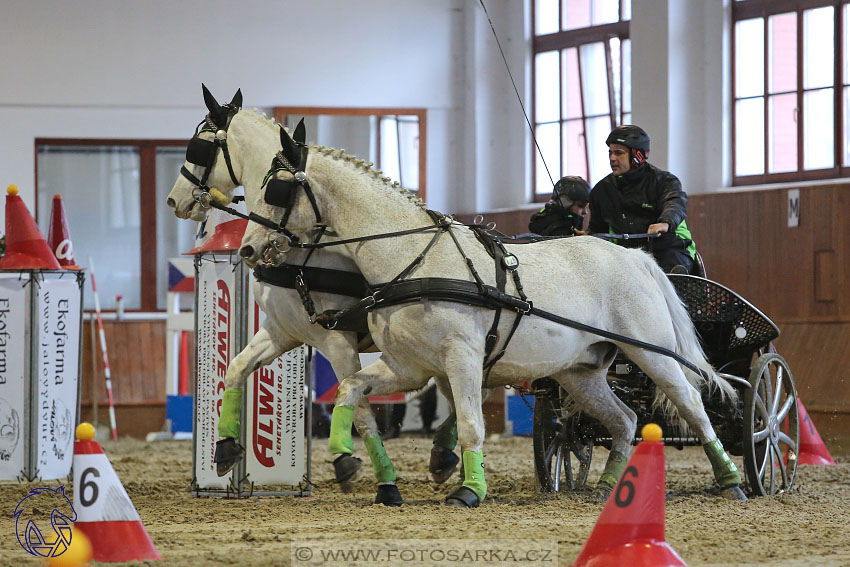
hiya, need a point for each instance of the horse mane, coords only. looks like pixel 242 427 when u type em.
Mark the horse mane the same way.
pixel 261 118
pixel 377 174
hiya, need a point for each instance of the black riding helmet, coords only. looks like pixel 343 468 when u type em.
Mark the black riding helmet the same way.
pixel 630 136
pixel 571 189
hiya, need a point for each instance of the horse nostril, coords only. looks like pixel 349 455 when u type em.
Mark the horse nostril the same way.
pixel 171 202
pixel 247 251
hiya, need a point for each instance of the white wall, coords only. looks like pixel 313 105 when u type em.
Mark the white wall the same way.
pixel 107 69
pixel 679 80
pixel 99 68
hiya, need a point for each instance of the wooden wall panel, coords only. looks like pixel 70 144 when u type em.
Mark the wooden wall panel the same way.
pixel 136 360
pixel 793 274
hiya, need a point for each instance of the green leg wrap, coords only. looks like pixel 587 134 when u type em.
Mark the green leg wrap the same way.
pixel 725 471
pixel 613 469
pixel 445 435
pixel 231 410
pixel 473 473
pixel 381 464
pixel 340 438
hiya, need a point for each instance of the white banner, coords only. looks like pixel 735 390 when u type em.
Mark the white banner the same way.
pixel 275 417
pixel 215 334
pixel 58 309
pixel 14 304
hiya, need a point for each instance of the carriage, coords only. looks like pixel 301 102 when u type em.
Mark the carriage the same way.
pixel 762 427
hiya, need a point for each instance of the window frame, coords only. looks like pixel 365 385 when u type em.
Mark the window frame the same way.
pixel 558 42
pixel 749 9
pixel 147 205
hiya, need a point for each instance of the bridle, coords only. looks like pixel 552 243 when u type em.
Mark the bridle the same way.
pixel 283 192
pixel 203 153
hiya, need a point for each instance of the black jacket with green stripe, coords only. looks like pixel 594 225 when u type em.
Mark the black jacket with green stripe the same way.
pixel 630 203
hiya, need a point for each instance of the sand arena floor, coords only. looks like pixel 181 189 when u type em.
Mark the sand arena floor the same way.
pixel 810 526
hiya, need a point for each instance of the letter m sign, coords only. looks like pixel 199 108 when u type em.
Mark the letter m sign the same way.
pixel 793 207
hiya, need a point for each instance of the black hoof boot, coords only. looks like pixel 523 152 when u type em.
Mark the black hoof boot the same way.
pixel 347 472
pixel 733 492
pixel 228 453
pixel 462 497
pixel 443 464
pixel 388 495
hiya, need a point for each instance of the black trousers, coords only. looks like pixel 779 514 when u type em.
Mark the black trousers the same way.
pixel 669 258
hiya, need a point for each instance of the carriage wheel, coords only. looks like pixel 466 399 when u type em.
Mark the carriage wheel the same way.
pixel 561 453
pixel 771 426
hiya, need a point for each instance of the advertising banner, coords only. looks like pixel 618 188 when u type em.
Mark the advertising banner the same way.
pixel 275 443
pixel 58 320
pixel 14 346
pixel 215 333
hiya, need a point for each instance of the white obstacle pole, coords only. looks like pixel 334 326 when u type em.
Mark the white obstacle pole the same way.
pixel 102 335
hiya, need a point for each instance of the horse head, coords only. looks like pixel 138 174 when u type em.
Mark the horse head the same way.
pixel 288 201
pixel 203 169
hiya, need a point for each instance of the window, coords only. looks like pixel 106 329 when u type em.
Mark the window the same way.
pixel 790 94
pixel 582 86
pixel 114 194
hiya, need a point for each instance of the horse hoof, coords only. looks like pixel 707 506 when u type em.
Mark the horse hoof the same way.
pixel 443 464
pixel 347 471
pixel 601 494
pixel 462 497
pixel 733 492
pixel 388 495
pixel 228 453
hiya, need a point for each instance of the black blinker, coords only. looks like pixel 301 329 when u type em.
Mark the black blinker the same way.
pixel 201 152
pixel 279 192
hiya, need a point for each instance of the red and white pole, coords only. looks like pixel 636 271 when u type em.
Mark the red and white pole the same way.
pixel 102 335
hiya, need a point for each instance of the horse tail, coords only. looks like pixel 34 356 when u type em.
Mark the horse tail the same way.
pixel 687 343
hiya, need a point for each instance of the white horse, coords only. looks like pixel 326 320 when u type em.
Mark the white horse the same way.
pixel 619 290
pixel 251 141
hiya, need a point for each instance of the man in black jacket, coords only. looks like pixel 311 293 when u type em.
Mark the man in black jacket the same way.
pixel 564 214
pixel 638 197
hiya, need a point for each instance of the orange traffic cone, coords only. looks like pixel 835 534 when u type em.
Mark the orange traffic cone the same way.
pixel 630 529
pixel 104 511
pixel 59 237
pixel 26 248
pixel 812 451
pixel 227 237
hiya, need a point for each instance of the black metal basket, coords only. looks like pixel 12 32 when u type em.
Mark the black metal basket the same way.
pixel 729 326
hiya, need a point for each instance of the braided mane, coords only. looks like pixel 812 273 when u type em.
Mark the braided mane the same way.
pixel 375 173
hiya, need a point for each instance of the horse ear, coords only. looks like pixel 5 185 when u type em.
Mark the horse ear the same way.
pixel 290 150
pixel 212 104
pixel 237 99
pixel 300 134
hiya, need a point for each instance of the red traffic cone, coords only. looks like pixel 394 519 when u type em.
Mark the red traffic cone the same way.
pixel 227 237
pixel 104 511
pixel 812 450
pixel 26 248
pixel 59 237
pixel 630 529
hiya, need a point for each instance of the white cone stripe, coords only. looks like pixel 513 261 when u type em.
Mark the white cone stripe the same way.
pixel 98 494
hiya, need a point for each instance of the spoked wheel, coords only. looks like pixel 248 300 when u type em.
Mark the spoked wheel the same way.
pixel 771 426
pixel 562 453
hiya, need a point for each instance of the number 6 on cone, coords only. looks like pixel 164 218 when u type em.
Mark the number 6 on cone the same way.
pixel 104 510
